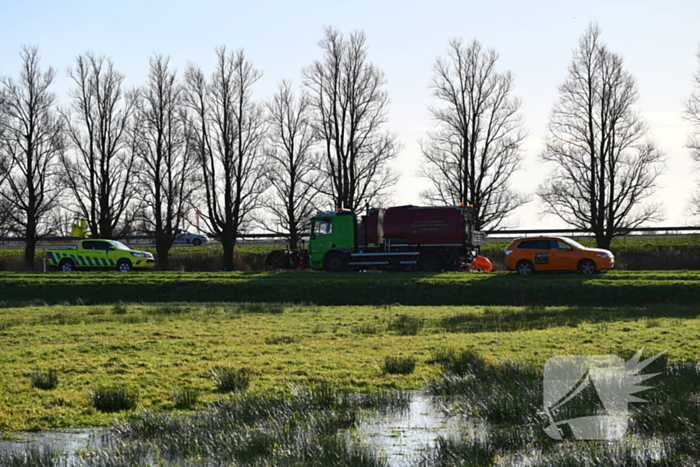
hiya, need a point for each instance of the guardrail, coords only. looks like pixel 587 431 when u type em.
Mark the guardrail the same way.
pixel 688 230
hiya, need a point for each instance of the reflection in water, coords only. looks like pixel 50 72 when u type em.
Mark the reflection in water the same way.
pixel 69 441
pixel 402 437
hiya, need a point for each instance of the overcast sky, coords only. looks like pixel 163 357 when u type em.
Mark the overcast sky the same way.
pixel 658 41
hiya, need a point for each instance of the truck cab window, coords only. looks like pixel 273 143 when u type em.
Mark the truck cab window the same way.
pixel 321 227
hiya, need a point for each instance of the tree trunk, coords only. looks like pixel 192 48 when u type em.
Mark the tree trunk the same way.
pixel 29 252
pixel 162 250
pixel 228 242
pixel 293 238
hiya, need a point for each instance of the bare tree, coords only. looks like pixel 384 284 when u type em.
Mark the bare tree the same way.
pixel 346 93
pixel 5 211
pixel 4 170
pixel 476 147
pixel 292 173
pixel 692 114
pixel 100 172
pixel 228 131
pixel 605 165
pixel 166 160
pixel 31 143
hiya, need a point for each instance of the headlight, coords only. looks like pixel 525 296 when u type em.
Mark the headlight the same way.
pixel 508 252
pixel 141 255
pixel 603 255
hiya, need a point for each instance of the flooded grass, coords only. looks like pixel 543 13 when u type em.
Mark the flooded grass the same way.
pixel 312 427
pixel 32 456
pixel 508 398
pixel 250 430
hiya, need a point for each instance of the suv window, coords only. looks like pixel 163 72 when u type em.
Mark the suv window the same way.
pixel 559 245
pixel 535 244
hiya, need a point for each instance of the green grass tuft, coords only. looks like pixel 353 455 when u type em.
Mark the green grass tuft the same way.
pixel 185 398
pixel 399 365
pixel 230 380
pixel 406 325
pixel 111 399
pixel 43 379
pixel 278 340
pixel 120 309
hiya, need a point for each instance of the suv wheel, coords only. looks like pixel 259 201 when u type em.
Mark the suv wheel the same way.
pixel 525 268
pixel 124 265
pixel 586 266
pixel 67 265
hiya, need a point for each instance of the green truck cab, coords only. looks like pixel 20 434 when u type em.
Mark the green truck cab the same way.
pixel 99 254
pixel 333 231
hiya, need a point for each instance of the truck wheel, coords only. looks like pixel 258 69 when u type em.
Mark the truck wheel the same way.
pixel 430 261
pixel 196 242
pixel 67 265
pixel 124 265
pixel 586 266
pixel 335 262
pixel 525 267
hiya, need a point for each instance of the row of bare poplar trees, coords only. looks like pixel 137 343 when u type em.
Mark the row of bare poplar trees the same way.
pixel 145 157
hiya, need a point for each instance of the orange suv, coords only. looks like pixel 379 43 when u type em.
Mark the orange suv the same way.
pixel 527 255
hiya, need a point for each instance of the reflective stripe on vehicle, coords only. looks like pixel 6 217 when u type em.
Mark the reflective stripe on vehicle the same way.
pixel 51 258
pixel 89 260
pixel 82 260
pixel 111 263
pixel 104 262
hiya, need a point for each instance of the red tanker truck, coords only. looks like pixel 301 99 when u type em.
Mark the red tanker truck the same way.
pixel 408 238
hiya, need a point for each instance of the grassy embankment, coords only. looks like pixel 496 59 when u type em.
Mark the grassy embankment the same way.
pixel 614 288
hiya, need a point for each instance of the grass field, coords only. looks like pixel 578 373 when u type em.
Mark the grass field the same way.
pixel 158 349
pixel 143 350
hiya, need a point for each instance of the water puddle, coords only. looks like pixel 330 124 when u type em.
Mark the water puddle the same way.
pixel 70 441
pixel 399 437
pixel 402 437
